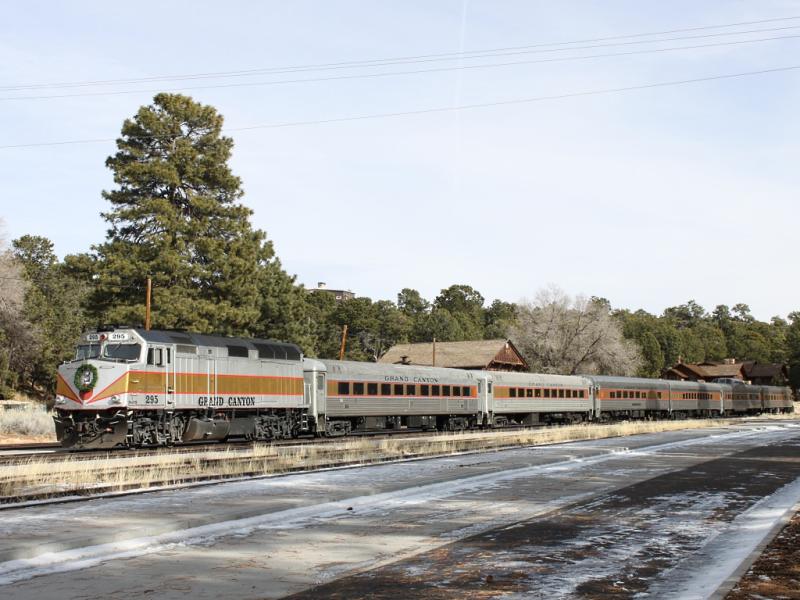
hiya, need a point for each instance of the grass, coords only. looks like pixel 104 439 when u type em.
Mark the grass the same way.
pixel 38 476
pixel 25 421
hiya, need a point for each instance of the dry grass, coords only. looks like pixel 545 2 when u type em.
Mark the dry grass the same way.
pixel 38 476
pixel 784 416
pixel 25 421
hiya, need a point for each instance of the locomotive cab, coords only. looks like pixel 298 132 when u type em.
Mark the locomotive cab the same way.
pixel 92 389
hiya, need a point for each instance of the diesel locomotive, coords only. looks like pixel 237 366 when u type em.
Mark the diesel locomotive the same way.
pixel 131 387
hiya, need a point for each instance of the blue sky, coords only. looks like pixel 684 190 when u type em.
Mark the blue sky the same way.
pixel 648 197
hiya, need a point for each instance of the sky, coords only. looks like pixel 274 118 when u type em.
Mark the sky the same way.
pixel 647 197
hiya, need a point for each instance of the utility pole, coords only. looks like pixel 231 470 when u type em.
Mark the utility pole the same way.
pixel 344 342
pixel 433 362
pixel 147 304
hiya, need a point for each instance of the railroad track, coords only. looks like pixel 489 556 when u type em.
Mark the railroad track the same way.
pixel 24 453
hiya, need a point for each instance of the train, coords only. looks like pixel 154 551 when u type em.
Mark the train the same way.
pixel 132 387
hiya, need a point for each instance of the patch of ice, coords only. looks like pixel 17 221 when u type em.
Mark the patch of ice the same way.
pixel 699 576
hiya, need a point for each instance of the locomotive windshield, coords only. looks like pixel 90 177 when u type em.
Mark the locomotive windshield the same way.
pixel 122 351
pixel 84 351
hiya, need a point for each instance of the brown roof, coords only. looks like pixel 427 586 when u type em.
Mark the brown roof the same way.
pixel 713 371
pixel 706 371
pixel 460 355
pixel 764 370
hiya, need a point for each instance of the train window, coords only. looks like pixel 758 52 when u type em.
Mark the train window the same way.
pixel 639 395
pixel 538 393
pixel 398 389
pixel 456 390
pixel 512 392
pixel 358 389
pixel 612 395
pixel 424 390
pixel 84 351
pixel 237 351
pixel 658 395
pixel 437 390
pixel 465 391
pixel 265 351
pixel 411 390
pixel 445 390
pixel 386 389
pixel 581 392
pixel 529 393
pixel 372 389
pixel 561 393
pixel 490 387
pixel 343 388
pixel 568 393
pixel 155 356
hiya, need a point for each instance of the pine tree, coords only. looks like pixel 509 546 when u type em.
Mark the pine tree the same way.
pixel 175 216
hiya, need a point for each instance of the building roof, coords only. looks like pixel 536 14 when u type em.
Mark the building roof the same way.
pixel 741 370
pixel 726 370
pixel 480 354
pixel 758 370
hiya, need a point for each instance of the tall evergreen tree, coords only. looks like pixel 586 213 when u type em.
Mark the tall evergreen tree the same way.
pixel 465 305
pixel 175 217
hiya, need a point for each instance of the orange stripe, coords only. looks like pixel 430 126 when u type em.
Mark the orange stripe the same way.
pixel 63 389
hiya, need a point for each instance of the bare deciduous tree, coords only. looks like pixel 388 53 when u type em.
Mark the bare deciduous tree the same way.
pixel 17 342
pixel 12 285
pixel 560 334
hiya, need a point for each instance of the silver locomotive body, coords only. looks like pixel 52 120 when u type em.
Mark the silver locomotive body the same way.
pixel 131 387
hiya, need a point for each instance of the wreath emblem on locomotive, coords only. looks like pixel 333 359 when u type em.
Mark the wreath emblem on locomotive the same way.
pixel 85 378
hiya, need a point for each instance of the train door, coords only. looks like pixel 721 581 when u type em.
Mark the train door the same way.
pixel 161 371
pixel 669 397
pixel 314 391
pixel 205 386
pixel 485 404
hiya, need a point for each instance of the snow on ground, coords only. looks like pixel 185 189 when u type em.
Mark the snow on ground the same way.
pixel 725 550
pixel 423 492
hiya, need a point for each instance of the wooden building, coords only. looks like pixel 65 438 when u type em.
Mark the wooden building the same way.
pixel 487 355
pixel 338 295
pixel 755 373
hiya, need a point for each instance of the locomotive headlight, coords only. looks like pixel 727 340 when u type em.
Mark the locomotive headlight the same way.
pixel 61 400
pixel 114 400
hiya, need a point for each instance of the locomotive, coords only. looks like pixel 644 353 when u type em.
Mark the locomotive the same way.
pixel 131 387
